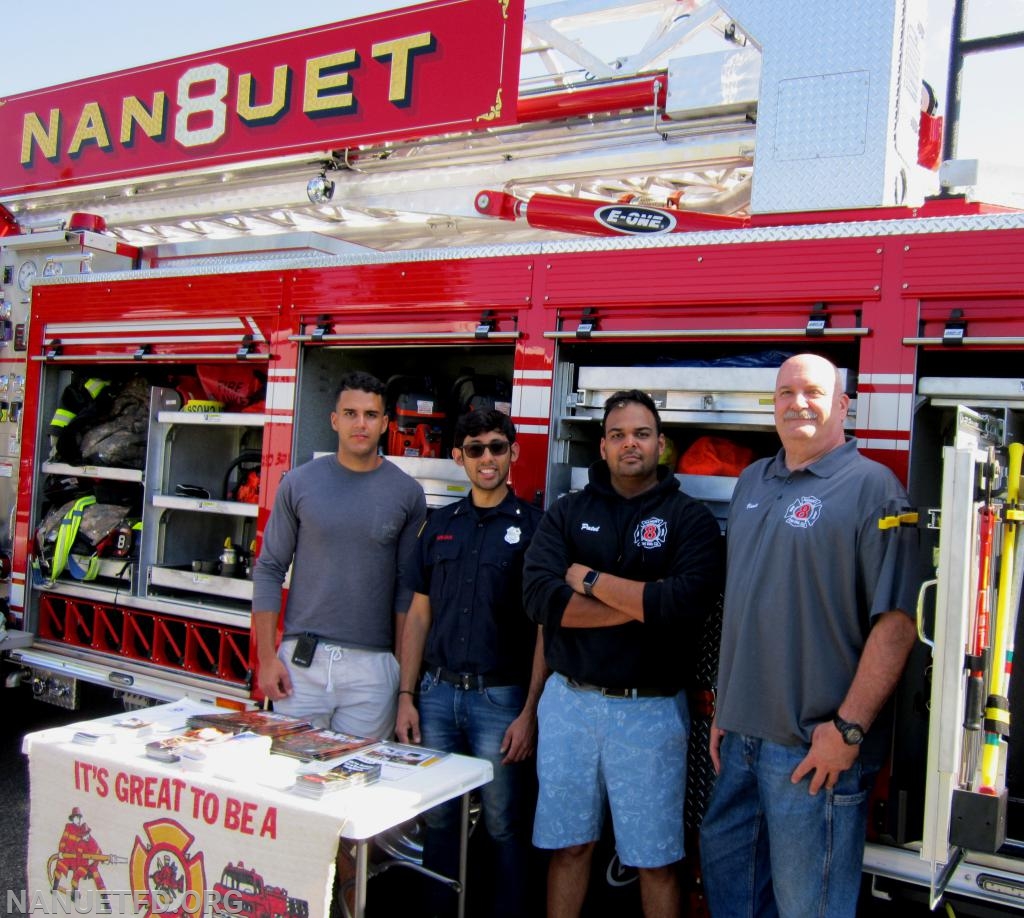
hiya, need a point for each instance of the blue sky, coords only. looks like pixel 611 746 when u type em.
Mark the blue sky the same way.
pixel 73 40
pixel 68 41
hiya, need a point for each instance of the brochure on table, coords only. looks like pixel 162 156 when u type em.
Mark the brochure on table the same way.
pixel 128 831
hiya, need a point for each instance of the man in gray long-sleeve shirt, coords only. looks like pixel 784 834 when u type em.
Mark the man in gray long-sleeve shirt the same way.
pixel 346 525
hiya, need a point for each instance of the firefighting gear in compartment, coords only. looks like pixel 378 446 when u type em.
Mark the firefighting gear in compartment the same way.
pixel 237 387
pixel 120 439
pixel 84 400
pixel 715 456
pixel 416 417
pixel 480 392
pixel 75 535
pixel 246 467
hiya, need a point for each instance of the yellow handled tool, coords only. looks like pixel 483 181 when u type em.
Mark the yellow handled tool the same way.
pixel 997 708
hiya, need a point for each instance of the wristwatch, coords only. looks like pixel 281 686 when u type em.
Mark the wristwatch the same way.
pixel 853 734
pixel 589 579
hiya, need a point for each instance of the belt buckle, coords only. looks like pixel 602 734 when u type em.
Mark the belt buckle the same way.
pixel 465 681
pixel 618 693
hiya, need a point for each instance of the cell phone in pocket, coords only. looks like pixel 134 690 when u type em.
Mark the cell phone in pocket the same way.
pixel 305 648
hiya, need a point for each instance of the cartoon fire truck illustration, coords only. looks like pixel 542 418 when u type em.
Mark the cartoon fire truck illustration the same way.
pixel 243 890
pixel 78 858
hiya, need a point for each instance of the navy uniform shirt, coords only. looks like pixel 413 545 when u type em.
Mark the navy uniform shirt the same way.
pixel 469 561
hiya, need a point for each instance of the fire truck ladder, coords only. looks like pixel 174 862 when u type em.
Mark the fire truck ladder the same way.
pixel 597 119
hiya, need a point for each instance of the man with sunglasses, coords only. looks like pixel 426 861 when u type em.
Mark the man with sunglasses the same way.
pixel 619 575
pixel 472 664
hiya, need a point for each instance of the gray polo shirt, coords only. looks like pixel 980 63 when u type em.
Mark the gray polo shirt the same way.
pixel 808 571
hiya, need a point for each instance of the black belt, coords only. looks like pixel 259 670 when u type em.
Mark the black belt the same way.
pixel 469 681
pixel 623 692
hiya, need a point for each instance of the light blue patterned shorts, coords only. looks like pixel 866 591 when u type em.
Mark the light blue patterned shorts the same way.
pixel 629 752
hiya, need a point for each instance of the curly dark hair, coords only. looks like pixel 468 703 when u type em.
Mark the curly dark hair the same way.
pixel 363 382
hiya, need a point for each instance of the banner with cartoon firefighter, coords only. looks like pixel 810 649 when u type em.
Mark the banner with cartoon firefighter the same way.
pixel 111 834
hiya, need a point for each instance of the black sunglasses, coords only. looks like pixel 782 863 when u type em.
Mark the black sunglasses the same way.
pixel 476 450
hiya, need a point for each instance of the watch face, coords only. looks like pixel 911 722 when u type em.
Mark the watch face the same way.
pixel 26 272
pixel 853 734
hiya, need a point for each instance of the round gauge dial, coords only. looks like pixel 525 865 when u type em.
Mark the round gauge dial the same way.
pixel 25 274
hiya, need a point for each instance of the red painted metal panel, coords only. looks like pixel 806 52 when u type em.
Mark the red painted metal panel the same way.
pixel 759 273
pixel 898 462
pixel 740 318
pixel 887 433
pixel 171 315
pixel 984 318
pixel 157 297
pixel 965 264
pixel 886 367
pixel 414 291
pixel 437 67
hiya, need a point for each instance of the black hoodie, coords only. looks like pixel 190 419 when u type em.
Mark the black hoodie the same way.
pixel 662 537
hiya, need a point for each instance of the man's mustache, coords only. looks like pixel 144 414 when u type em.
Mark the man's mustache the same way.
pixel 805 415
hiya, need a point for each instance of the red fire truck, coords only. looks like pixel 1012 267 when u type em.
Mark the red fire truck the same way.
pixel 605 227
pixel 242 889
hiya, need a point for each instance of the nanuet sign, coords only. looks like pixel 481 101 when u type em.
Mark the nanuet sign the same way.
pixel 449 65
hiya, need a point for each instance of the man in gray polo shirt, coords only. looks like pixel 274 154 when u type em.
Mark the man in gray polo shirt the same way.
pixel 817 628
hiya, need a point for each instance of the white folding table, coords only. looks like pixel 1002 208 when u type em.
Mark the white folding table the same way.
pixel 143 813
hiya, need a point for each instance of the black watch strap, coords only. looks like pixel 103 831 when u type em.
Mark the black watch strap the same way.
pixel 853 734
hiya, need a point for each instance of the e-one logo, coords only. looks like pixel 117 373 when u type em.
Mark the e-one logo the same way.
pixel 625 218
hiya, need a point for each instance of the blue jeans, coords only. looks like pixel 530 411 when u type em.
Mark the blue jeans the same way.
pixel 768 848
pixel 474 722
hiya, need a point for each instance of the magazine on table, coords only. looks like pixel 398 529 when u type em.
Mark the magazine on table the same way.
pixel 398 759
pixel 318 745
pixel 170 748
pixel 354 772
pixel 265 723
pixel 235 755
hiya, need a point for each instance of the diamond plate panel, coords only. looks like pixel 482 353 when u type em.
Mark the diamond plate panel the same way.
pixel 852 230
pixel 821 116
pixel 839 104
pixel 700 774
